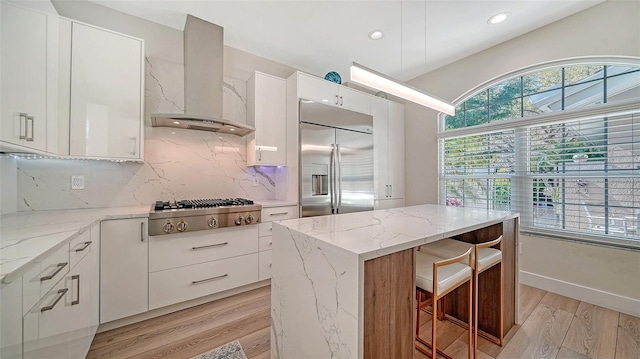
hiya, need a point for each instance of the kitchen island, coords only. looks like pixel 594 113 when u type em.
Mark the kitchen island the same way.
pixel 343 286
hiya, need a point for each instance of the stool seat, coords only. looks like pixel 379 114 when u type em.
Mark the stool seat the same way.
pixel 487 257
pixel 449 276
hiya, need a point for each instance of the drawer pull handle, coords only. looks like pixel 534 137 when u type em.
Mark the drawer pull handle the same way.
pixel 278 213
pixel 60 266
pixel 209 279
pixel 77 301
pixel 61 294
pixel 270 243
pixel 86 245
pixel 270 265
pixel 210 246
pixel 270 229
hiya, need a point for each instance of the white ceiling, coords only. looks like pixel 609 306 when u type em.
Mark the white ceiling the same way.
pixel 318 36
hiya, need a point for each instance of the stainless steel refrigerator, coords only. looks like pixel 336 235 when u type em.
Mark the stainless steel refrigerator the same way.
pixel 336 160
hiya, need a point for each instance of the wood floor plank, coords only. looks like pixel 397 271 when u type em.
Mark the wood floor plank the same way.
pixel 206 339
pixel 490 348
pixel 628 343
pixel 530 297
pixel 540 336
pixel 142 343
pixel 256 343
pixel 447 332
pixel 569 354
pixel 593 331
pixel 173 319
pixel 561 302
pixel 459 350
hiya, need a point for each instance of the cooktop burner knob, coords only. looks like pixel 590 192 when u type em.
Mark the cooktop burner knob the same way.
pixel 239 220
pixel 182 226
pixel 212 222
pixel 249 219
pixel 168 227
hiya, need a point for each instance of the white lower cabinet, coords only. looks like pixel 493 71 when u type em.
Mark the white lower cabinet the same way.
pixel 184 283
pixel 63 323
pixel 124 268
pixel 269 215
pixel 388 203
pixel 11 320
pixel 185 266
pixel 264 265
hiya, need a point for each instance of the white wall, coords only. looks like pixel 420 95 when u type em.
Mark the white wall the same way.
pixel 8 184
pixel 604 276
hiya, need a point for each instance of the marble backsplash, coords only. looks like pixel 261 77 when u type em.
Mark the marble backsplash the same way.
pixel 179 163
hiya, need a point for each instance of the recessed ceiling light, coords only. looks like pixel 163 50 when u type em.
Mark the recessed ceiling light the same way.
pixel 498 18
pixel 176 122
pixel 375 35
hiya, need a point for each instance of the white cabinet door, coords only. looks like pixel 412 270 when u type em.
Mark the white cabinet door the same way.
pixel 396 149
pixel 267 111
pixel 124 268
pixel 323 91
pixel 11 320
pixel 319 90
pixel 388 144
pixel 23 109
pixel 388 203
pixel 106 97
pixel 380 147
pixel 83 282
pixel 355 100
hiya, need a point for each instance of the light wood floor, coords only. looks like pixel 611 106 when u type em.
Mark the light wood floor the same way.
pixel 553 327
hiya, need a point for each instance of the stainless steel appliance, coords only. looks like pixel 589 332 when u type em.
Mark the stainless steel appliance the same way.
pixel 202 214
pixel 336 160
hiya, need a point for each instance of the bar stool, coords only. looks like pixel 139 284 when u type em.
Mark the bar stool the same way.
pixel 484 258
pixel 439 276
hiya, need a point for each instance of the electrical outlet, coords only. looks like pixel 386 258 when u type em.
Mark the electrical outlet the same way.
pixel 256 181
pixel 77 182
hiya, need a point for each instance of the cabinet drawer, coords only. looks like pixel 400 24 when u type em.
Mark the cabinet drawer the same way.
pixel 198 280
pixel 79 247
pixel 279 213
pixel 182 249
pixel 43 276
pixel 46 325
pixel 264 229
pixel 266 243
pixel 264 265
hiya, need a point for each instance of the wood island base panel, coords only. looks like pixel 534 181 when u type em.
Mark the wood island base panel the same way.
pixel 343 286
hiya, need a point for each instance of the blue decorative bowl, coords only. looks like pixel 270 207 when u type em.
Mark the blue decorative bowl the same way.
pixel 333 77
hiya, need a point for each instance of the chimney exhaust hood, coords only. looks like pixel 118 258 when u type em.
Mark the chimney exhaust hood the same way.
pixel 203 80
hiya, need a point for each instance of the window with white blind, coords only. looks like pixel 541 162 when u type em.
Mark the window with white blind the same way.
pixel 571 172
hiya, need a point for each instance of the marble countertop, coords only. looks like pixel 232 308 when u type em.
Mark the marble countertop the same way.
pixel 28 236
pixel 275 203
pixel 373 234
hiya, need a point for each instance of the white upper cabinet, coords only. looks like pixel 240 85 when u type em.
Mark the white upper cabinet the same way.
pixel 388 143
pixel 26 70
pixel 396 149
pixel 267 112
pixel 106 94
pixel 321 90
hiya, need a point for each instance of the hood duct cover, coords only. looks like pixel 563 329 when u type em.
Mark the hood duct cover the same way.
pixel 203 80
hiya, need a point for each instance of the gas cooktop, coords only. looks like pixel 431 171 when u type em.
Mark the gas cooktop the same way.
pixel 189 215
pixel 201 203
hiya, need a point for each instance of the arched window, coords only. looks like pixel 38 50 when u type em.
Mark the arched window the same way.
pixel 560 145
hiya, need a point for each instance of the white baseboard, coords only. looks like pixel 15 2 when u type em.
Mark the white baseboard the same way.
pixel 612 301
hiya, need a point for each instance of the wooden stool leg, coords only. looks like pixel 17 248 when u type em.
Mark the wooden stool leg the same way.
pixel 475 313
pixel 433 328
pixel 501 336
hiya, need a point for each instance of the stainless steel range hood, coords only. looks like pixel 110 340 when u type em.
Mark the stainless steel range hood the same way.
pixel 203 80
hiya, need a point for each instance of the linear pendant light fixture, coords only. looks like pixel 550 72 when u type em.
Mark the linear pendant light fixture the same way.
pixel 380 82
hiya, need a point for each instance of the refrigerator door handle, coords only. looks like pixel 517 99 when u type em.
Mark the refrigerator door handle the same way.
pixel 339 177
pixel 332 177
